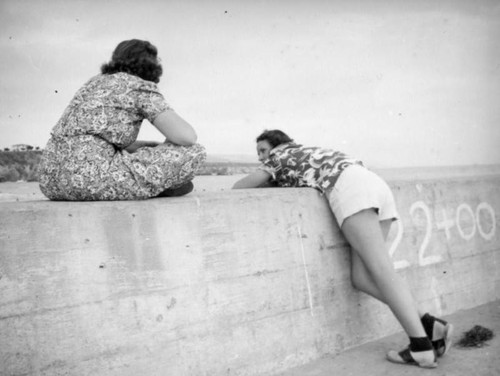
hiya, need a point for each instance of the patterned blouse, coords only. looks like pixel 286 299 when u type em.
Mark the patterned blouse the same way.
pixel 85 157
pixel 293 165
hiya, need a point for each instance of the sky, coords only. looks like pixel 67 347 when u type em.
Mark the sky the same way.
pixel 394 83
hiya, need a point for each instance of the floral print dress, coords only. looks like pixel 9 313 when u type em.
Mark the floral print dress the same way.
pixel 85 157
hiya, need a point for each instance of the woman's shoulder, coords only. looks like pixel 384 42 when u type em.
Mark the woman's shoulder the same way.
pixel 121 79
pixel 133 81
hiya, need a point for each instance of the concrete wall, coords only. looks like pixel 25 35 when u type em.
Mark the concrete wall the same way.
pixel 238 283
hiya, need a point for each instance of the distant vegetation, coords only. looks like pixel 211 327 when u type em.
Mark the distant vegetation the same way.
pixel 19 165
pixel 227 168
pixel 22 165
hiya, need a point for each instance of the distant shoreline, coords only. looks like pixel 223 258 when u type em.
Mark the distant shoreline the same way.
pixel 22 166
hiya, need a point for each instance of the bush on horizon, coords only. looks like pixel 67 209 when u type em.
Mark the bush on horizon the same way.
pixel 19 165
pixel 23 166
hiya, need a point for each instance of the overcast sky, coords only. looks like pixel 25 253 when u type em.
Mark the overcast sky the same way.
pixel 395 83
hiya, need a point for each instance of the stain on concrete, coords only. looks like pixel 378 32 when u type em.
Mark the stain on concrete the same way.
pixel 172 303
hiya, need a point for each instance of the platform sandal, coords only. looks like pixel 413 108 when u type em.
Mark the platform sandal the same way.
pixel 439 332
pixel 443 344
pixel 424 359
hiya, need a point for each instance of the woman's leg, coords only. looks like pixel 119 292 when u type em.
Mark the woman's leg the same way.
pixel 438 330
pixel 373 271
pixel 362 278
pixel 364 234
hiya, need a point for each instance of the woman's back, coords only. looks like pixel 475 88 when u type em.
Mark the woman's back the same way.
pixel 111 107
pixel 92 153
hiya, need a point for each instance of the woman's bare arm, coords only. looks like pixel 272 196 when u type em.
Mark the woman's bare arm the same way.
pixel 257 179
pixel 175 129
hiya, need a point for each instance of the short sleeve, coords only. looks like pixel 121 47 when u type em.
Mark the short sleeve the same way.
pixel 270 168
pixel 151 102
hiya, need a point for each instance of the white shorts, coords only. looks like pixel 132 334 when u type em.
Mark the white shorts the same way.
pixel 357 189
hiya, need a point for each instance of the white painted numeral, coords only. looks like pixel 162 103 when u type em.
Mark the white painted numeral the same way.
pixel 487 208
pixel 483 220
pixel 468 209
pixel 422 259
pixel 399 264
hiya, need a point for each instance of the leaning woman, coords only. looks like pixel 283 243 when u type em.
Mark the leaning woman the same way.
pixel 364 208
pixel 93 152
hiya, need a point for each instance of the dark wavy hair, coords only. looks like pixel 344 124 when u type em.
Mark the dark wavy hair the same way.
pixel 136 57
pixel 275 137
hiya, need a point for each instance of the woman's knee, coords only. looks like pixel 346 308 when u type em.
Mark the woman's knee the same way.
pixel 358 274
pixel 356 281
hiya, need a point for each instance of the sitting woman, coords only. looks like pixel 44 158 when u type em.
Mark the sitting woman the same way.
pixel 93 154
pixel 364 208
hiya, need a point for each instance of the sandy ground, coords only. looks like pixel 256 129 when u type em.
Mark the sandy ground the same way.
pixel 23 191
pixel 369 359
pixel 29 191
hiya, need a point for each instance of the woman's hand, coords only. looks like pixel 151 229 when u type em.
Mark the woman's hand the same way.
pixel 132 148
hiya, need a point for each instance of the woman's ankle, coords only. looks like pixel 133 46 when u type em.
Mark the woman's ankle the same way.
pixel 418 344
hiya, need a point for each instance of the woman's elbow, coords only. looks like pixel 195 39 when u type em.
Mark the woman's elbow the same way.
pixel 242 183
pixel 187 139
pixel 192 137
pixel 238 185
pixel 188 142
pixel 245 183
